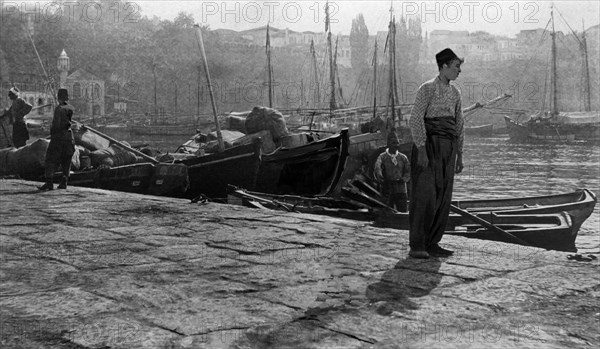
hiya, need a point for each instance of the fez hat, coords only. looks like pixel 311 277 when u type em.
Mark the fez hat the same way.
pixel 63 94
pixel 445 56
pixel 392 139
pixel 14 91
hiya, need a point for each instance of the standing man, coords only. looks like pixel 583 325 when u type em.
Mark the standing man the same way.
pixel 436 124
pixel 18 110
pixel 62 144
pixel 393 170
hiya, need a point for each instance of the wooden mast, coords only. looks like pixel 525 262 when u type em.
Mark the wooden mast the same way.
pixel 317 99
pixel 269 76
pixel 332 102
pixel 375 81
pixel 587 102
pixel 392 39
pixel 554 82
pixel 212 98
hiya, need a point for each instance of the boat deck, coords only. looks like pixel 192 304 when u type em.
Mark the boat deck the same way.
pixel 88 268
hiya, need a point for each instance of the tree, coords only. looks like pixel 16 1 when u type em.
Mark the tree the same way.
pixel 359 44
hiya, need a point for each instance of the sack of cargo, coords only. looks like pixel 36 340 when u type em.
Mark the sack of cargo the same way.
pixel 228 136
pixel 90 140
pixel 171 157
pixel 267 145
pixel 75 163
pixel 213 146
pixel 112 156
pixel 294 140
pixel 262 118
pixel 27 161
pixel 233 123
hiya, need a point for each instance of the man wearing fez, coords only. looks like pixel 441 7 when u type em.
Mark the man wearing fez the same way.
pixel 62 144
pixel 17 112
pixel 393 170
pixel 436 124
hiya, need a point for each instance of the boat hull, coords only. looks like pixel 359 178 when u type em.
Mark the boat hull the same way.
pixel 312 169
pixel 326 206
pixel 145 178
pixel 548 231
pixel 210 174
pixel 480 131
pixel 532 132
pixel 578 205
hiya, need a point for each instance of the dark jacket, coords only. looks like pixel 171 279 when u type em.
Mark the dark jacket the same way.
pixel 18 110
pixel 61 123
pixel 393 176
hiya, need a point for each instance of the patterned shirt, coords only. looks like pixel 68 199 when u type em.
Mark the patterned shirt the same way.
pixel 436 99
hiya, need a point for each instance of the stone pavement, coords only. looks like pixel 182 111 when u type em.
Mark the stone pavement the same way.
pixel 86 268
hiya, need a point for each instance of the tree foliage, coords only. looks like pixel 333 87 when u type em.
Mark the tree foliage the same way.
pixel 359 44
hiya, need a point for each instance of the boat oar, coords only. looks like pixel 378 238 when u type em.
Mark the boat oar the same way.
pixel 124 146
pixel 488 225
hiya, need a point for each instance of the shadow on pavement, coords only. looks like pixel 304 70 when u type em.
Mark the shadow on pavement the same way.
pixel 398 285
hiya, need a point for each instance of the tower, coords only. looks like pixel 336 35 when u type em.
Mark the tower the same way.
pixel 63 68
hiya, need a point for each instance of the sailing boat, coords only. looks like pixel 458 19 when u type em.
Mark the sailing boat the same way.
pixel 553 125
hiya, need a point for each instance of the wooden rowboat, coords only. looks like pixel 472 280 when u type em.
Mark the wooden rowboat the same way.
pixel 341 208
pixel 549 231
pixel 578 205
pixel 553 231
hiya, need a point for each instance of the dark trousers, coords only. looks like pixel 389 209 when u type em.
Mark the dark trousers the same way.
pixel 59 154
pixel 431 193
pixel 20 134
pixel 399 201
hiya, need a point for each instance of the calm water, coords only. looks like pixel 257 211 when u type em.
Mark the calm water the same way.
pixel 163 143
pixel 495 168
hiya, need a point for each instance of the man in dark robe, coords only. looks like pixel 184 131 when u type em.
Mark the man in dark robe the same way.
pixel 62 144
pixel 18 110
pixel 437 128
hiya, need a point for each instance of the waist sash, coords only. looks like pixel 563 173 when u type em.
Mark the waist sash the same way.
pixel 444 127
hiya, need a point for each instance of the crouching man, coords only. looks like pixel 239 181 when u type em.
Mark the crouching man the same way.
pixel 393 170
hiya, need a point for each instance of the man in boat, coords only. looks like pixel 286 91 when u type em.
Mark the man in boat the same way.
pixel 5 129
pixel 392 169
pixel 18 110
pixel 436 125
pixel 62 144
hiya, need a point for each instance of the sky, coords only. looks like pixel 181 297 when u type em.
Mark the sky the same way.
pixel 496 17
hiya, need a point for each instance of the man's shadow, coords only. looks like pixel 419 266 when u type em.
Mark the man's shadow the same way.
pixel 410 278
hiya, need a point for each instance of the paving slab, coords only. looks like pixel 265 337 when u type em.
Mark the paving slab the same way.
pixel 88 268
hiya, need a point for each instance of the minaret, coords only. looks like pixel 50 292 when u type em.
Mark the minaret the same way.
pixel 63 68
